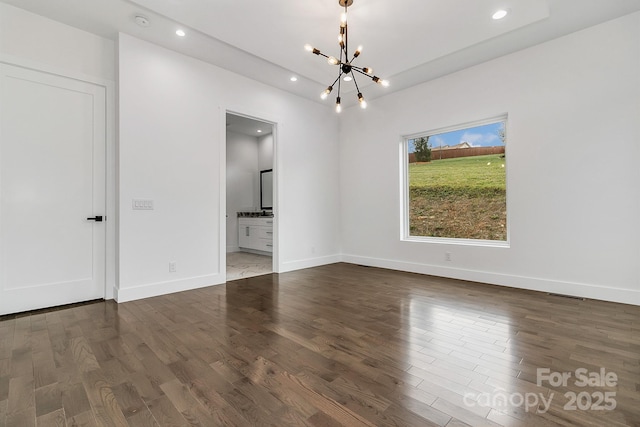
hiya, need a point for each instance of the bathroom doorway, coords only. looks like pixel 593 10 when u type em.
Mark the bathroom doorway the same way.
pixel 250 225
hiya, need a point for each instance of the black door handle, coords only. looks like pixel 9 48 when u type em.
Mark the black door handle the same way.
pixel 97 218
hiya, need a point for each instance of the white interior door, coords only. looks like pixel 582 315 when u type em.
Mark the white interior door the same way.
pixel 52 179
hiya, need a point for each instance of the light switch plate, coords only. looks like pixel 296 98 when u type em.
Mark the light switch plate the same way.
pixel 142 204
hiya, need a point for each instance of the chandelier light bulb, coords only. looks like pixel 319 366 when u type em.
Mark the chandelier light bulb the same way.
pixel 347 78
pixel 357 52
pixel 308 47
pixel 363 103
pixel 338 106
pixel 332 60
pixel 326 92
pixel 381 82
pixel 343 19
pixel 368 70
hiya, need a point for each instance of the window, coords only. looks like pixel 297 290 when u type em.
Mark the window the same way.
pixel 455 183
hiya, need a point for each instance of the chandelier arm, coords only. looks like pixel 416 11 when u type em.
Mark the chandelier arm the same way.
pixel 334 82
pixel 353 76
pixel 358 69
pixel 322 54
pixel 343 40
pixel 355 82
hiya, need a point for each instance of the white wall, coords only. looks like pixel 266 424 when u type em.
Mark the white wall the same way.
pixel 40 42
pixel 243 191
pixel 32 41
pixel 171 150
pixel 265 162
pixel 265 152
pixel 573 175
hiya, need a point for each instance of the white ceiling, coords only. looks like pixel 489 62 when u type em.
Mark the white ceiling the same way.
pixel 406 42
pixel 248 126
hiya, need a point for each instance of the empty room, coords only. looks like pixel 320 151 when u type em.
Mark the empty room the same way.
pixel 319 213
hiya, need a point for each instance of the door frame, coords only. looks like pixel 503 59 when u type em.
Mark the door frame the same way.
pixel 277 127
pixel 111 190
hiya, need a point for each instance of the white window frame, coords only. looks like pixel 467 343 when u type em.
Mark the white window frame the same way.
pixel 404 189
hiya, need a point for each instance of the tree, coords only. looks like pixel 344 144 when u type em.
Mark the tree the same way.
pixel 502 133
pixel 423 149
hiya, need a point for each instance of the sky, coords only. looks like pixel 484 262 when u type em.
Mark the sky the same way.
pixel 478 136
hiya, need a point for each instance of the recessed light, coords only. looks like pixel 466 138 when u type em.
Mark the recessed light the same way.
pixel 180 33
pixel 259 130
pixel 347 78
pixel 293 79
pixel 499 14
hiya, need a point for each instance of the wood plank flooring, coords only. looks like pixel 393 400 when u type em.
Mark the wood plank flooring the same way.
pixel 338 345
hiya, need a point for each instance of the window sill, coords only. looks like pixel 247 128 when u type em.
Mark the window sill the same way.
pixel 453 241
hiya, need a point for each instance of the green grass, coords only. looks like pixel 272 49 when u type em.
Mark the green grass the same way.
pixel 463 172
pixel 459 198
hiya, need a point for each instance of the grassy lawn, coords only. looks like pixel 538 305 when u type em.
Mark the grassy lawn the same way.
pixel 461 198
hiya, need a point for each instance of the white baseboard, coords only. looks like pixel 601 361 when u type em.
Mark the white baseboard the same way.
pixel 619 295
pixel 255 252
pixel 604 293
pixel 163 288
pixel 308 263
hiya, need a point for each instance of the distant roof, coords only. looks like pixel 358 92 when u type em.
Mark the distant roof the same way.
pixel 463 144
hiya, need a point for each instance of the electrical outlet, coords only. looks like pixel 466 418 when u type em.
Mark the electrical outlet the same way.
pixel 172 266
pixel 447 256
pixel 142 204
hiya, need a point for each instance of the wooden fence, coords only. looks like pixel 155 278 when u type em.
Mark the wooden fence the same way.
pixel 439 154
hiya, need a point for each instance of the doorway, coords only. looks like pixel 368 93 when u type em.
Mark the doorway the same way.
pixel 250 219
pixel 52 187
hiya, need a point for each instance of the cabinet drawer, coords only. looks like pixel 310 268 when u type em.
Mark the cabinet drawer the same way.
pixel 265 232
pixel 265 245
pixel 267 222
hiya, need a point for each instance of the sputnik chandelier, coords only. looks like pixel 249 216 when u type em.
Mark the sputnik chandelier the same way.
pixel 345 65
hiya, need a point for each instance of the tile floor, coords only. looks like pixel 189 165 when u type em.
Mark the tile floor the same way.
pixel 243 264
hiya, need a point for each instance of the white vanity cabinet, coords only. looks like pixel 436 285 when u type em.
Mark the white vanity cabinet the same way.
pixel 256 233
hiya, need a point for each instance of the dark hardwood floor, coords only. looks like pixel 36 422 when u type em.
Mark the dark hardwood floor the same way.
pixel 328 346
